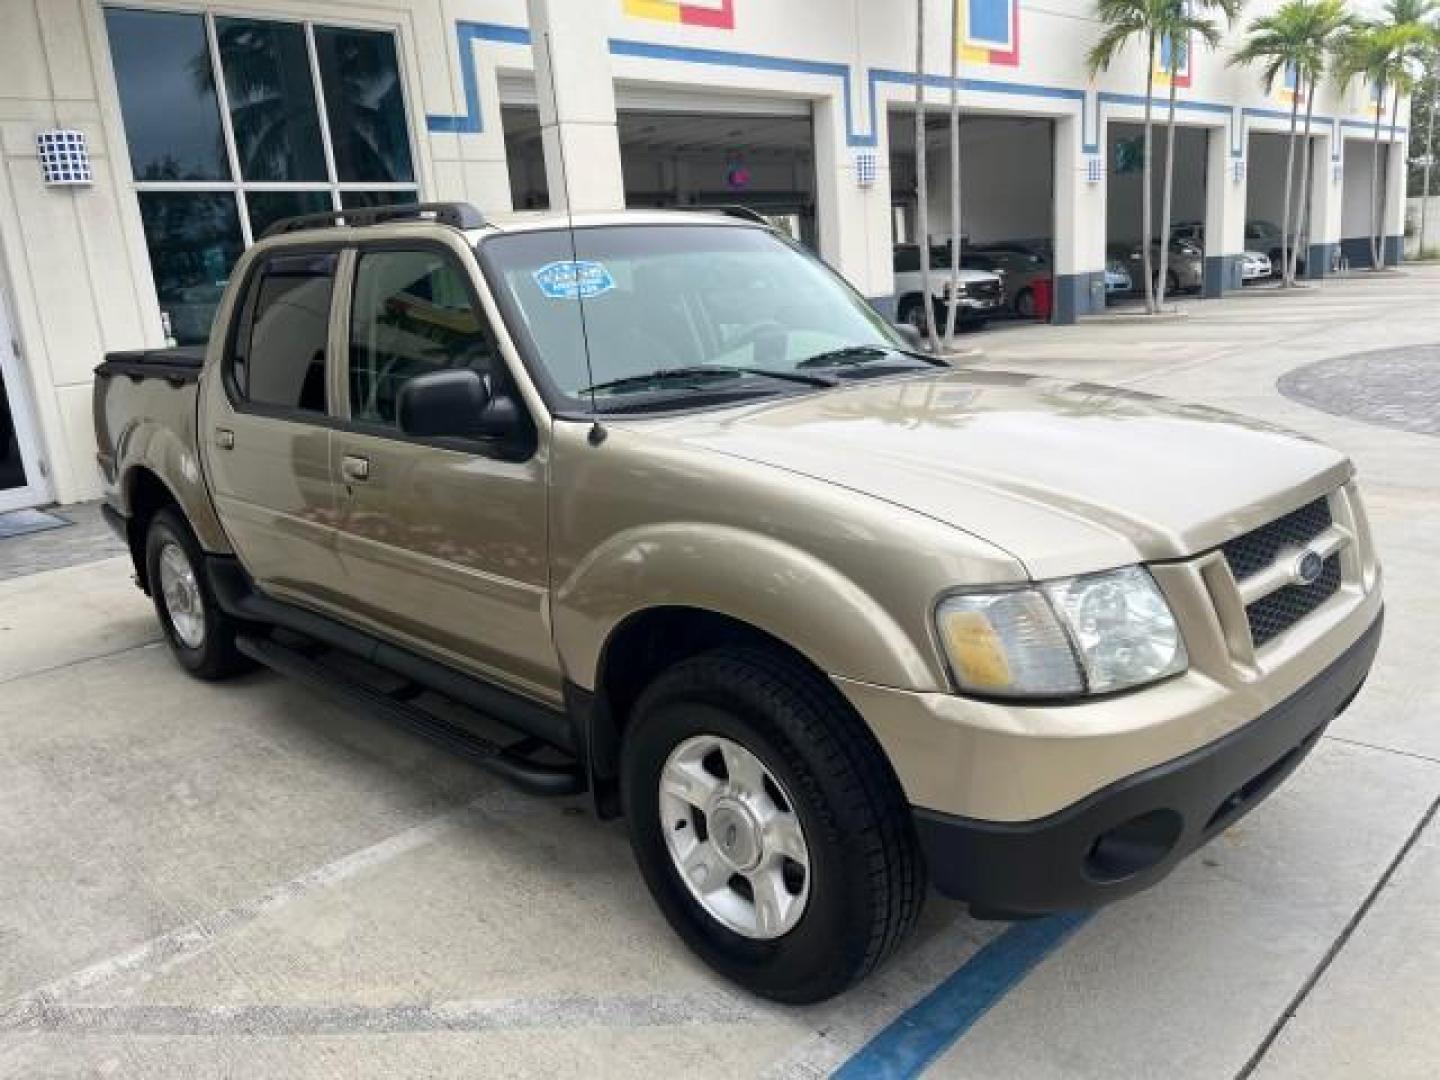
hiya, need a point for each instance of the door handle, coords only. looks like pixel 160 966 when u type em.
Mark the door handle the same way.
pixel 355 469
pixel 224 438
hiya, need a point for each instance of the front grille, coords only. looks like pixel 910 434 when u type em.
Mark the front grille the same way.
pixel 1272 615
pixel 1253 552
pixel 984 290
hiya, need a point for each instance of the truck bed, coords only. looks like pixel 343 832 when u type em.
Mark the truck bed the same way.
pixel 145 407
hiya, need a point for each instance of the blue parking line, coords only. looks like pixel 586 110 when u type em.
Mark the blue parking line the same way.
pixel 932 1025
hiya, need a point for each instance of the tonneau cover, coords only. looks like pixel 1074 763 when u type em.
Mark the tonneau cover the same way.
pixel 178 364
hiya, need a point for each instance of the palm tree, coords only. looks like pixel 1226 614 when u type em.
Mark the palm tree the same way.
pixel 1126 21
pixel 955 232
pixel 1332 23
pixel 922 183
pixel 1293 38
pixel 1180 23
pixel 1381 53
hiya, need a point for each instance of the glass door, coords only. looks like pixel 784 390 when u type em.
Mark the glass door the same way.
pixel 20 481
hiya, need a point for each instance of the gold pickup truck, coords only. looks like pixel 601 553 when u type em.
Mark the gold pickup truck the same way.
pixel 662 498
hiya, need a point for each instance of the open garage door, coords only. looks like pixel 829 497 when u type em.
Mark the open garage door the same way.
pixel 679 149
pixel 1124 197
pixel 1007 207
pixel 1265 197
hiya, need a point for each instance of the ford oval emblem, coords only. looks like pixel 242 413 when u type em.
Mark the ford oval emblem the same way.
pixel 1308 568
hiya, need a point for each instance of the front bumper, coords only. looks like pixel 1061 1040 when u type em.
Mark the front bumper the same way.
pixel 969 308
pixel 1130 834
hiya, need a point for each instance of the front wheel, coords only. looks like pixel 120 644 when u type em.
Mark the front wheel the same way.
pixel 912 313
pixel 768 825
pixel 1025 304
pixel 201 636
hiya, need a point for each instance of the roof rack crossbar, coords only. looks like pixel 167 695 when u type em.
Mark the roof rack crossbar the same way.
pixel 458 215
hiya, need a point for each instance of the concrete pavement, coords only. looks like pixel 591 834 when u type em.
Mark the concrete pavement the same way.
pixel 247 880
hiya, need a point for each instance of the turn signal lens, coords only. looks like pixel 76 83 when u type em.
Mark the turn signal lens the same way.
pixel 1008 644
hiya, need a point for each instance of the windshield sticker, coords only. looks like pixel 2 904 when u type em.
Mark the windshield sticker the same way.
pixel 573 280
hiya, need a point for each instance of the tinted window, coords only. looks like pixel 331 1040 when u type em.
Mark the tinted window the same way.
pixel 268 207
pixel 412 315
pixel 167 97
pixel 279 356
pixel 193 239
pixel 907 260
pixel 272 99
pixel 365 104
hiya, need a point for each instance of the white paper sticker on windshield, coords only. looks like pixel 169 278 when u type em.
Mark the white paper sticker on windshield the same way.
pixel 573 280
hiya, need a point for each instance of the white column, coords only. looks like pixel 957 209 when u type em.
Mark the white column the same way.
pixel 1395 201
pixel 854 221
pixel 1079 224
pixel 577 105
pixel 1322 231
pixel 1224 214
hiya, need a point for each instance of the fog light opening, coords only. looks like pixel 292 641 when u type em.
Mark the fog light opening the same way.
pixel 1134 846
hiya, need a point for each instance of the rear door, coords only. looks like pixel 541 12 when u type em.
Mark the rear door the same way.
pixel 443 541
pixel 267 415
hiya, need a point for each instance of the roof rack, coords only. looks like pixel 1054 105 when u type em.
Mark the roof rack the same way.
pixel 735 210
pixel 457 215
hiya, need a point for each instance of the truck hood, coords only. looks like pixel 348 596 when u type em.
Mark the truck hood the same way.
pixel 1066 477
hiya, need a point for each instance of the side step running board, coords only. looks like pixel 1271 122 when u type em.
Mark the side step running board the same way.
pixel 507 762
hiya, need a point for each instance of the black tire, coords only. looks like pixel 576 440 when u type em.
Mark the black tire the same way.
pixel 912 313
pixel 215 656
pixel 1025 304
pixel 867 876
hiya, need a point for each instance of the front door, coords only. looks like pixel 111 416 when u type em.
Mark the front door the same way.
pixel 20 481
pixel 266 418
pixel 443 542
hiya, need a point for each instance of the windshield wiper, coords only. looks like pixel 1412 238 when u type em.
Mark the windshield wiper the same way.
pixel 702 371
pixel 852 355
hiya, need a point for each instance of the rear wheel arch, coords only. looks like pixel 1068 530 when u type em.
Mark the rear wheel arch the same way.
pixel 146 494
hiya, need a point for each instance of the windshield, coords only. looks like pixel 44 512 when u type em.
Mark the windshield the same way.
pixel 692 315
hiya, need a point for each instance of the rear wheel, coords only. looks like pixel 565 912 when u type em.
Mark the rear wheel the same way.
pixel 1025 304
pixel 201 636
pixel 768 826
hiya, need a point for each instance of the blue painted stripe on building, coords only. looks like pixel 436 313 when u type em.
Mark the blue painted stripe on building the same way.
pixel 752 61
pixel 472 120
pixel 931 1026
pixel 943 82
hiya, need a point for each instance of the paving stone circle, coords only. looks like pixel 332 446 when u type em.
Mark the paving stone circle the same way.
pixel 1398 388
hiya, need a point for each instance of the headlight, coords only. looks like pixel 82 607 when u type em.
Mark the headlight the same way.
pixel 1085 635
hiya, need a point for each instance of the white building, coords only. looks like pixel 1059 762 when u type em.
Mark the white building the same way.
pixel 204 122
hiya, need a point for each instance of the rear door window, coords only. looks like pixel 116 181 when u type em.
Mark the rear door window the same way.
pixel 278 359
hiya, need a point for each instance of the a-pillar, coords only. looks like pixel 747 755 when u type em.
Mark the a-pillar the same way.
pixel 576 94
pixel 1079 224
pixel 1225 191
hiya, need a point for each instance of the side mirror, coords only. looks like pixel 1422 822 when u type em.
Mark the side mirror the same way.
pixel 458 403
